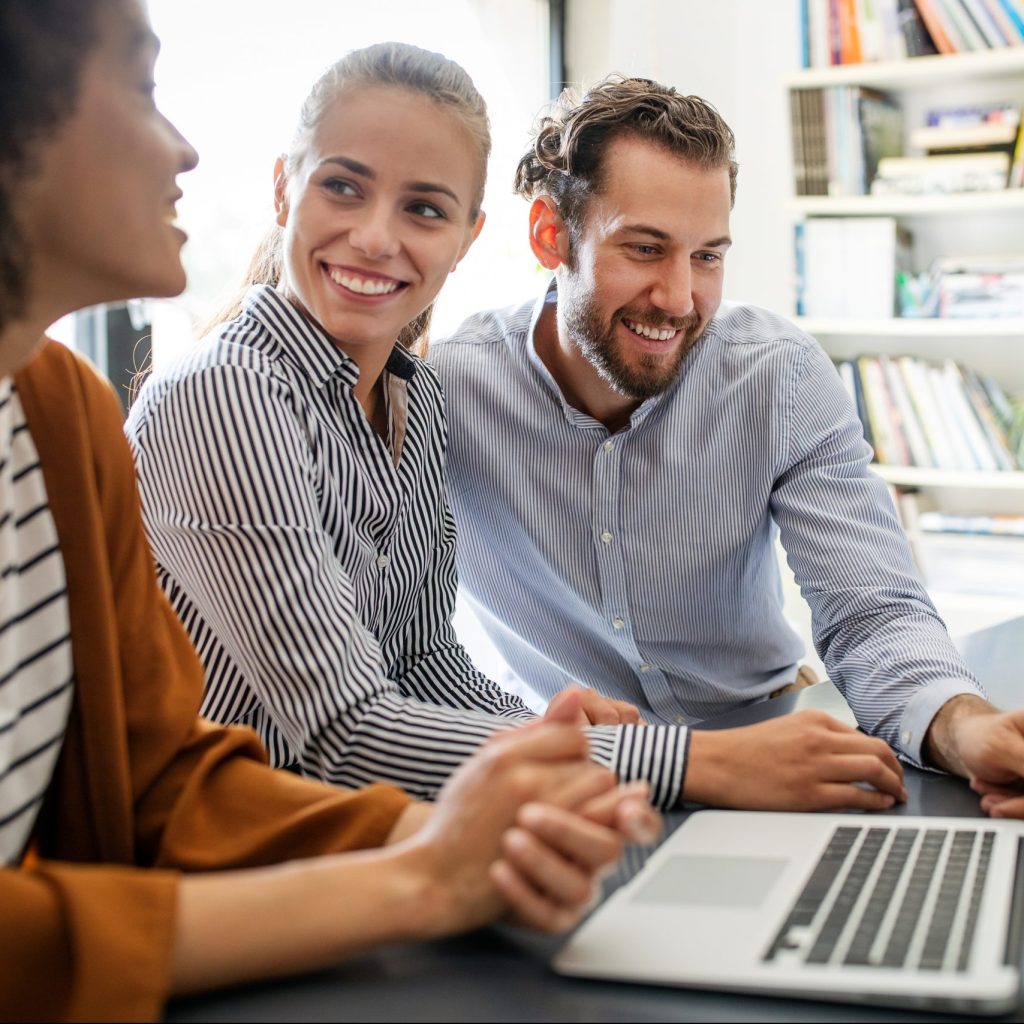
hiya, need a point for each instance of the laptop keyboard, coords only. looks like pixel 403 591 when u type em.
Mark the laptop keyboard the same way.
pixel 904 898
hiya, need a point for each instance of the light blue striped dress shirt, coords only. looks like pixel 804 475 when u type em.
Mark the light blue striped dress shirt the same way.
pixel 643 562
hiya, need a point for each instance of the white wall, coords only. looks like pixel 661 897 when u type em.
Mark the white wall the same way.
pixel 733 53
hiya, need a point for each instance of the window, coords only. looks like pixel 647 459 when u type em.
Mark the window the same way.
pixel 232 76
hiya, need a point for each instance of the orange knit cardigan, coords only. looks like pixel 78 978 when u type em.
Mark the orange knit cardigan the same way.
pixel 143 788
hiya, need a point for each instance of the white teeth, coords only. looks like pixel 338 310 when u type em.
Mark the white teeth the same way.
pixel 361 285
pixel 657 334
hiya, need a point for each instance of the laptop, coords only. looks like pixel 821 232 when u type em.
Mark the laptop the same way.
pixel 910 911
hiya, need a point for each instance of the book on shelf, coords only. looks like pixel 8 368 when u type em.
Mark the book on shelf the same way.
pixel 935 416
pixel 838 137
pixel 933 138
pixel 856 31
pixel 945 174
pixel 918 40
pixel 935 521
pixel 972 287
pixel 849 266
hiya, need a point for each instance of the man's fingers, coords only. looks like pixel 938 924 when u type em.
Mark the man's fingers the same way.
pixel 568 835
pixel 1013 807
pixel 1002 791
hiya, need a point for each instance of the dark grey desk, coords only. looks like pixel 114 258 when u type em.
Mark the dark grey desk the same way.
pixel 502 974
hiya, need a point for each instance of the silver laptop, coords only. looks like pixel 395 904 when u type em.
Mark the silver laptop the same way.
pixel 921 912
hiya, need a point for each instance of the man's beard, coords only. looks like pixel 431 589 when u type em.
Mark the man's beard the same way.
pixel 650 375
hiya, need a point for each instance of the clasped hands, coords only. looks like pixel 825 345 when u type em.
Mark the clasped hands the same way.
pixel 523 830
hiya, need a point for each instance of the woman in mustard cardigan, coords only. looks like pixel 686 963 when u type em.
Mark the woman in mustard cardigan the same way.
pixel 139 843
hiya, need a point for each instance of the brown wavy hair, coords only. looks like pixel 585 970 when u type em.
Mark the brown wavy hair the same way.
pixel 565 158
pixel 43 48
pixel 399 65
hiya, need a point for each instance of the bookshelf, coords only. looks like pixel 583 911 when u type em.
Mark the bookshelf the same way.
pixel 977 223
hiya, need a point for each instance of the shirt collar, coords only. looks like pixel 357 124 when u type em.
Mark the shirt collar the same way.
pixel 572 414
pixel 307 346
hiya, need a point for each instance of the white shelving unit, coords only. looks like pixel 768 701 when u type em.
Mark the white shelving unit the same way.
pixel 1008 200
pixel 977 222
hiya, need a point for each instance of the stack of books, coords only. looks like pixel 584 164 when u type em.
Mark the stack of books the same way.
pixel 970 287
pixel 965 26
pixel 853 31
pixel 943 416
pixel 968 149
pixel 839 136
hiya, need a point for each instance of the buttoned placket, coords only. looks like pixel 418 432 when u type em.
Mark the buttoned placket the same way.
pixel 391 489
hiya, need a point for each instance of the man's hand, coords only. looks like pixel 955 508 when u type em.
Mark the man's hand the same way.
pixel 972 738
pixel 808 761
pixel 593 708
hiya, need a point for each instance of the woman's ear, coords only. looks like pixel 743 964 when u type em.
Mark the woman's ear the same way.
pixel 280 192
pixel 474 234
pixel 549 236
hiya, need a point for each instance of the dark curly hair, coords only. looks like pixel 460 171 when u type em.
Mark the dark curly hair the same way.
pixel 43 46
pixel 565 158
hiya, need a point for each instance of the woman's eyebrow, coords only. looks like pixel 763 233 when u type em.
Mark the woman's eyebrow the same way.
pixel 427 186
pixel 371 175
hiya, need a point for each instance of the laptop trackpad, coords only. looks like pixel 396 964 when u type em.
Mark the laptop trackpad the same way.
pixel 712 881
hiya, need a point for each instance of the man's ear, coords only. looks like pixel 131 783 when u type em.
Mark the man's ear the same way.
pixel 280 192
pixel 549 234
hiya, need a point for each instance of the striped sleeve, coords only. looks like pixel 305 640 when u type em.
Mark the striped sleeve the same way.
pixel 230 509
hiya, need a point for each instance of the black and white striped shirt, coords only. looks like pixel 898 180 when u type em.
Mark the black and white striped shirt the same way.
pixel 643 562
pixel 36 674
pixel 313 565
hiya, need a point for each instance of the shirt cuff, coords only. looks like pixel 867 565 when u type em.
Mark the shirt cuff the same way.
pixel 650 753
pixel 921 709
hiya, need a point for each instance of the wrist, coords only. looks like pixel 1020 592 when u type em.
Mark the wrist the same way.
pixel 707 767
pixel 942 745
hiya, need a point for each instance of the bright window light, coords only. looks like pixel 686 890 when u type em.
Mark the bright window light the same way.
pixel 232 75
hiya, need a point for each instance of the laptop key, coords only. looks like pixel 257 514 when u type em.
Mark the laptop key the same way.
pixel 935 943
pixel 913 899
pixel 817 886
pixel 825 943
pixel 881 897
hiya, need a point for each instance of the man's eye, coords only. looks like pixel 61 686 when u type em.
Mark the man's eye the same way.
pixel 709 257
pixel 645 250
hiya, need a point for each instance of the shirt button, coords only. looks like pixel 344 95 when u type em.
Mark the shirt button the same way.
pixel 606 537
pixel 906 737
pixel 618 623
pixel 383 561
pixel 680 720
pixel 608 446
pixel 645 667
